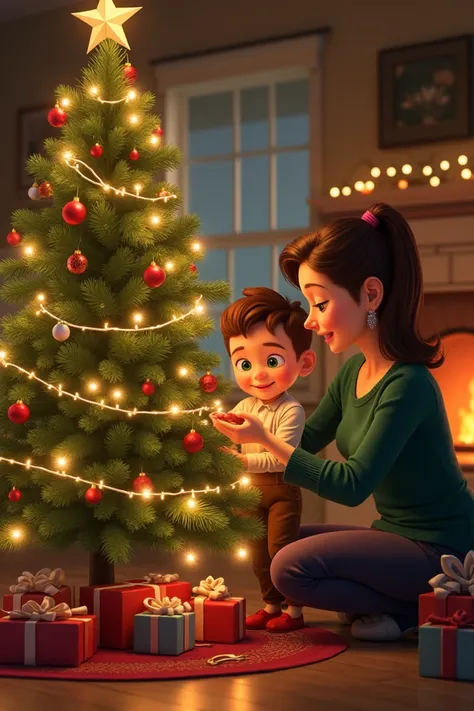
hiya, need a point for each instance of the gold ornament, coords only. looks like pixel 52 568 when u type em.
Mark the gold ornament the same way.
pixel 106 22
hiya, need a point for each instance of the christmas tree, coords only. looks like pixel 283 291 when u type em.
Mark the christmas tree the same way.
pixel 105 391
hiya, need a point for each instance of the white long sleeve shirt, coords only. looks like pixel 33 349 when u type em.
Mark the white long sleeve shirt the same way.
pixel 284 418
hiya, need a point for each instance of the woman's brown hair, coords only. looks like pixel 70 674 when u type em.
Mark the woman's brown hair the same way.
pixel 350 250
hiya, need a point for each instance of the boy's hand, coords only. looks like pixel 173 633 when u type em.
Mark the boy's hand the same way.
pixel 251 431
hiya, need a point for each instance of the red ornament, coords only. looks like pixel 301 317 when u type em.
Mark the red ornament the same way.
pixel 57 117
pixel 208 383
pixel 74 212
pixel 97 151
pixel 193 268
pixel 45 189
pixel 19 413
pixel 93 495
pixel 14 494
pixel 77 262
pixel 154 276
pixel 134 154
pixel 142 483
pixel 158 131
pixel 148 388
pixel 193 442
pixel 130 73
pixel 229 417
pixel 14 238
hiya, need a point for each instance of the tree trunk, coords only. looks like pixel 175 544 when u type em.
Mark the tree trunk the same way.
pixel 101 572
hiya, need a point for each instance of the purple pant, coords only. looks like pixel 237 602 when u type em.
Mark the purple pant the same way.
pixel 356 570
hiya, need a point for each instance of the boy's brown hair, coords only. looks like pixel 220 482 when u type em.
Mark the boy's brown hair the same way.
pixel 260 304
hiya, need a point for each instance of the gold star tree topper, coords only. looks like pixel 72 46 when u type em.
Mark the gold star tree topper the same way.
pixel 106 22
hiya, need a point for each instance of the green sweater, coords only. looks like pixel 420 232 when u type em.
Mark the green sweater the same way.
pixel 398 447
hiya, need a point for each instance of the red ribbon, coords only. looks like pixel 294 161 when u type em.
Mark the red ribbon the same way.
pixel 459 619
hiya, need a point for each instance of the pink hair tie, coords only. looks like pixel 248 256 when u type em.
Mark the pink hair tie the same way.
pixel 370 218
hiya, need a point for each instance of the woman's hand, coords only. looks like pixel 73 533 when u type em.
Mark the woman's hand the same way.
pixel 250 432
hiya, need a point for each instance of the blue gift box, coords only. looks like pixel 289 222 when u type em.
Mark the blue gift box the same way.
pixel 446 652
pixel 164 634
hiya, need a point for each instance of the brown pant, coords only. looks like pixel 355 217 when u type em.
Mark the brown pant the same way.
pixel 280 510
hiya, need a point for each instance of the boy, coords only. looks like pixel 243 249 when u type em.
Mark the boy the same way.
pixel 265 337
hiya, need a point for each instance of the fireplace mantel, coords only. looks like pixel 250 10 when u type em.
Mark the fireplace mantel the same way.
pixel 417 202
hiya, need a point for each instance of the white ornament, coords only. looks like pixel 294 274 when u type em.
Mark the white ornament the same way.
pixel 61 332
pixel 34 193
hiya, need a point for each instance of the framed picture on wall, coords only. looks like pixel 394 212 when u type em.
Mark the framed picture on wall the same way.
pixel 32 129
pixel 425 92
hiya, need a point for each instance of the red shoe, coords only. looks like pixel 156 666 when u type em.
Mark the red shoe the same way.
pixel 259 620
pixel 285 623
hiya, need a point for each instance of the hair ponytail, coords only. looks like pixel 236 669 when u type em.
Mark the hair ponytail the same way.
pixel 400 311
pixel 350 250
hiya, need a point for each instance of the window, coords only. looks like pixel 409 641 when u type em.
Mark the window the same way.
pixel 251 156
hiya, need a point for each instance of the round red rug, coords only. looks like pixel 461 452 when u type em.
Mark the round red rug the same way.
pixel 265 651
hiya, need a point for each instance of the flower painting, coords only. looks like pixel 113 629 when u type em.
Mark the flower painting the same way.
pixel 425 92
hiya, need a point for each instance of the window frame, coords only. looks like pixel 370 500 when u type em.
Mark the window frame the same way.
pixel 234 69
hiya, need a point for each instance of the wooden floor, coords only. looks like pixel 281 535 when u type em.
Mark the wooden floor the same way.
pixel 367 677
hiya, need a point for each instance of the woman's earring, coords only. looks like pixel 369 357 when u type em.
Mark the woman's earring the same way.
pixel 372 319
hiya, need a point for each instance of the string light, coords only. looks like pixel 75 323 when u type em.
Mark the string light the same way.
pixel 155 220
pixel 175 409
pixel 74 163
pixel 183 372
pixel 93 386
pixel 196 246
pixel 29 250
pixel 146 494
pixel 199 308
pixel 130 96
pixel 65 102
pixel 406 169
pixel 133 118
pixel 242 553
pixel 16 534
pixel 191 558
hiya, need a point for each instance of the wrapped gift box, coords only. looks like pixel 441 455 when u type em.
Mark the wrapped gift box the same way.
pixel 62 643
pixel 446 652
pixel 15 601
pixel 221 621
pixel 116 606
pixel 429 604
pixel 164 634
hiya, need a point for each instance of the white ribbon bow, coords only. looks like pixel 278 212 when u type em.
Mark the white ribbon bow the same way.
pixel 166 606
pixel 157 578
pixel 456 578
pixel 46 581
pixel 213 588
pixel 47 611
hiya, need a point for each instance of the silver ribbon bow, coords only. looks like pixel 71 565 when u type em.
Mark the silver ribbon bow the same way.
pixel 456 577
pixel 45 580
pixel 213 588
pixel 47 611
pixel 166 606
pixel 157 578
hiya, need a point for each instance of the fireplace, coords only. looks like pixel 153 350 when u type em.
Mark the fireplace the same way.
pixel 452 316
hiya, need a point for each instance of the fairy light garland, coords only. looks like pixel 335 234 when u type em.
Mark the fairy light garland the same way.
pixel 199 308
pixel 427 174
pixel 74 163
pixel 174 410
pixel 244 481
pixel 94 91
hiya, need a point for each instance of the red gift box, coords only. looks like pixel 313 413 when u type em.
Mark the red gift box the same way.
pixel 428 605
pixel 221 621
pixel 116 606
pixel 62 643
pixel 15 601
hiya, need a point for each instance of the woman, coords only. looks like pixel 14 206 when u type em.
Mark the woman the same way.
pixel 363 283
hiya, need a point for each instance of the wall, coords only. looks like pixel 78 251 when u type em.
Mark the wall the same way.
pixel 40 52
